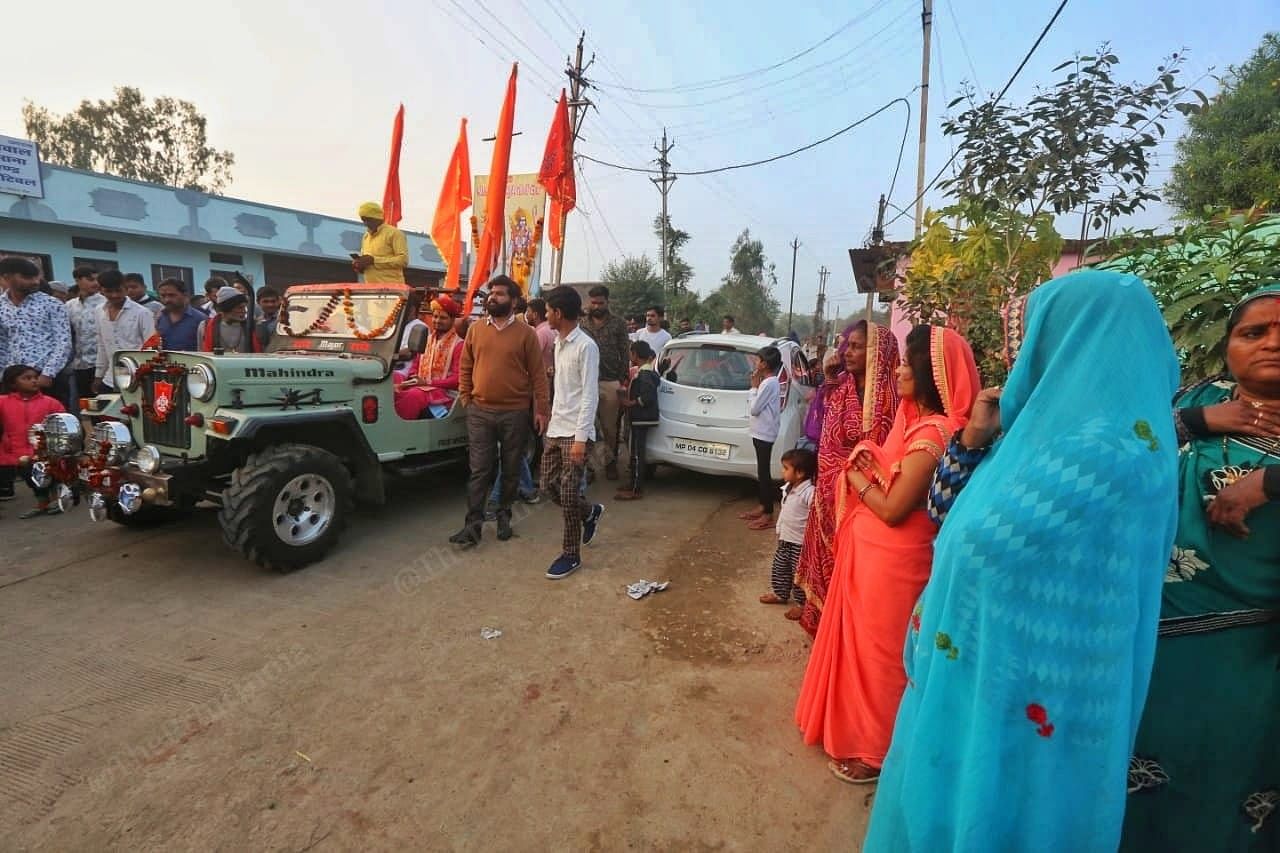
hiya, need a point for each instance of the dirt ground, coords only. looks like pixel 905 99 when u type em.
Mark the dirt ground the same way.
pixel 159 693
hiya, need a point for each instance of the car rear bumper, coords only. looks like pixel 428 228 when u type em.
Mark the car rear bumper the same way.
pixel 742 453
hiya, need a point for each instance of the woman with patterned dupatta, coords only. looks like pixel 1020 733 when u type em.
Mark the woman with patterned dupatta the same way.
pixel 858 405
pixel 1206 768
pixel 883 548
pixel 1030 651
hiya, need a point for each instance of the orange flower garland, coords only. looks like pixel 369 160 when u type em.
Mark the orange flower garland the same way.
pixel 325 313
pixel 349 308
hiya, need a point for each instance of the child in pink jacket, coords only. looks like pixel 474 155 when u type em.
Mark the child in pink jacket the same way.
pixel 22 405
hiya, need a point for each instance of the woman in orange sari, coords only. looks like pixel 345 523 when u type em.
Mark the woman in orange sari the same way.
pixel 883 550
pixel 859 404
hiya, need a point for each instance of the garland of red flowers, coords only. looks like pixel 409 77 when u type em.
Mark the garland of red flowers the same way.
pixel 323 318
pixel 160 362
pixel 349 308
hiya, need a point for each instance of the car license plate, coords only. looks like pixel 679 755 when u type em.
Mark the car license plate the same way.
pixel 705 449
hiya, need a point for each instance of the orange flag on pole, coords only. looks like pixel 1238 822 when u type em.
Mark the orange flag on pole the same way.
pixel 495 205
pixel 557 172
pixel 392 209
pixel 455 197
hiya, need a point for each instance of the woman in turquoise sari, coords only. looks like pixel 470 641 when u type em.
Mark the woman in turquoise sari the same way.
pixel 1206 768
pixel 1029 653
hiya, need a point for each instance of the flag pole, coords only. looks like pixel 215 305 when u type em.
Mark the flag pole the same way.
pixel 576 84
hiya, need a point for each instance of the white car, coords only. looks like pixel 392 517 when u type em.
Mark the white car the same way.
pixel 702 403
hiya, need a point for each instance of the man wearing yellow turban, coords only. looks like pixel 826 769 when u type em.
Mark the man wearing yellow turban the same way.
pixel 384 252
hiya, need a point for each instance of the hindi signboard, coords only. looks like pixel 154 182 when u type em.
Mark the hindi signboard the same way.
pixel 20 167
pixel 525 208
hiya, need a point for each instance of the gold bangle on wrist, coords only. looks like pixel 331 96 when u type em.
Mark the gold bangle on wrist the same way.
pixel 862 493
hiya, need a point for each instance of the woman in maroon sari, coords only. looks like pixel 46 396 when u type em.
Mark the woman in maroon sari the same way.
pixel 860 404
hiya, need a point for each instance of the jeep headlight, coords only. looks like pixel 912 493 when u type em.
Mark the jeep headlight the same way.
pixel 115 436
pixel 147 458
pixel 200 382
pixel 124 373
pixel 63 435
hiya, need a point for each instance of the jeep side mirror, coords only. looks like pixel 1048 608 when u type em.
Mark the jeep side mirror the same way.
pixel 418 339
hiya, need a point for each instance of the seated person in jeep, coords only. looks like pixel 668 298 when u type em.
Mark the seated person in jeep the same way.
pixel 430 385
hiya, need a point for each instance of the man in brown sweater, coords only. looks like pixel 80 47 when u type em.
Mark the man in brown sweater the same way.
pixel 503 387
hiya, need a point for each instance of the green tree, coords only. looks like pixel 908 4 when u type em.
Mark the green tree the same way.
pixel 163 141
pixel 747 291
pixel 634 285
pixel 1198 273
pixel 1230 155
pixel 679 273
pixel 1083 143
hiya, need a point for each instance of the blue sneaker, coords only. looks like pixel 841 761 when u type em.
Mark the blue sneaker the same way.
pixel 563 566
pixel 591 523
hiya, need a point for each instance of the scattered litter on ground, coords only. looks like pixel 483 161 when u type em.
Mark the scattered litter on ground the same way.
pixel 641 588
pixel 303 757
pixel 490 633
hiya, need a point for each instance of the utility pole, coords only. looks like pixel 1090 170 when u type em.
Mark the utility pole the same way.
pixel 663 184
pixel 818 315
pixel 877 239
pixel 577 113
pixel 926 19
pixel 791 306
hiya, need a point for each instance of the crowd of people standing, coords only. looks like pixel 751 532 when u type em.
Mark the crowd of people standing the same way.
pixel 1047 616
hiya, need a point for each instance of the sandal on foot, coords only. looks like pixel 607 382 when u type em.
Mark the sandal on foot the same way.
pixel 794 613
pixel 764 522
pixel 39 511
pixel 853 771
pixel 751 515
pixel 770 598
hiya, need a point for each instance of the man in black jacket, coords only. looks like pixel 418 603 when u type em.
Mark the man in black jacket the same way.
pixel 642 413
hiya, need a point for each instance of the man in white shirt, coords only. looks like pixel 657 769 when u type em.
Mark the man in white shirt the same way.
pixel 122 325
pixel 572 427
pixel 83 311
pixel 652 333
pixel 726 325
pixel 135 287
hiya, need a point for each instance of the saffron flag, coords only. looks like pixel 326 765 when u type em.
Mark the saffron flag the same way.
pixel 391 206
pixel 557 172
pixel 494 220
pixel 455 197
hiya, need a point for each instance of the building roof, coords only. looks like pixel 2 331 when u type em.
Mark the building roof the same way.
pixel 77 197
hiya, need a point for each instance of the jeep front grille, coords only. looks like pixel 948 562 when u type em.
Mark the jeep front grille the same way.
pixel 174 432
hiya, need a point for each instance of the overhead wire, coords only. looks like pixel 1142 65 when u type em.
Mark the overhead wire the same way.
pixel 755 72
pixel 1017 71
pixel 582 173
pixel 864 119
pixel 754 91
pixel 538 76
pixel 955 22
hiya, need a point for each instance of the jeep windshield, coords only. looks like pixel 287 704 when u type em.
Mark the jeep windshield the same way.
pixel 370 312
pixel 707 365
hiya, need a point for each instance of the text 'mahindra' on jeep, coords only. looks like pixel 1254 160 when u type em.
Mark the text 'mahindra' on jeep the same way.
pixel 283 441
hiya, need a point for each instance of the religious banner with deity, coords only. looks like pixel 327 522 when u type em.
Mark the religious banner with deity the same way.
pixel 525 208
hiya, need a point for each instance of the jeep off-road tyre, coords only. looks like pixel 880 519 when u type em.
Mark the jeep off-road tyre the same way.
pixel 286 506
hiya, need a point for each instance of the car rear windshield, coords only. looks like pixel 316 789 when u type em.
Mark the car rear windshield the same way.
pixel 716 366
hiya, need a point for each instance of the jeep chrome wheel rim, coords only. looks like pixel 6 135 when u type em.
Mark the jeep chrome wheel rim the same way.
pixel 304 509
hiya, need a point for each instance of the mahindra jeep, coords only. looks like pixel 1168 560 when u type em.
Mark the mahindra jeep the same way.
pixel 281 442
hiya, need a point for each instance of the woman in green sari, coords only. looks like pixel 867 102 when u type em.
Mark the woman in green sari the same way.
pixel 1205 775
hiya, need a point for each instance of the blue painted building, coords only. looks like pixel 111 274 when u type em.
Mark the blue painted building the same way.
pixel 98 220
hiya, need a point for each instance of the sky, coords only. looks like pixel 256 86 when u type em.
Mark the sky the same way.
pixel 304 94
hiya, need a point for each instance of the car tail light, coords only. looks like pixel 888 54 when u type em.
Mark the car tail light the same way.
pixel 129 409
pixel 369 409
pixel 223 426
pixel 196 420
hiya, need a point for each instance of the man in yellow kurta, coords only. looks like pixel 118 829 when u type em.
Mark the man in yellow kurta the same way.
pixel 384 252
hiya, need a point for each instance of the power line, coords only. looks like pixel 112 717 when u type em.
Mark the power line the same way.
pixel 754 91
pixel 553 87
pixel 736 78
pixel 955 22
pixel 1023 64
pixel 582 174
pixel 762 162
pixel 518 40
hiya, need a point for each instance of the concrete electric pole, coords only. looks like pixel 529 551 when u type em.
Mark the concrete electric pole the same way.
pixel 791 305
pixel 926 19
pixel 663 184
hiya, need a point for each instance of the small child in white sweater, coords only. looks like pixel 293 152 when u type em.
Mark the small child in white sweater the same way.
pixel 798 468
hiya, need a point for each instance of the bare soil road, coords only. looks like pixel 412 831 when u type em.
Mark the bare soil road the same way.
pixel 159 693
